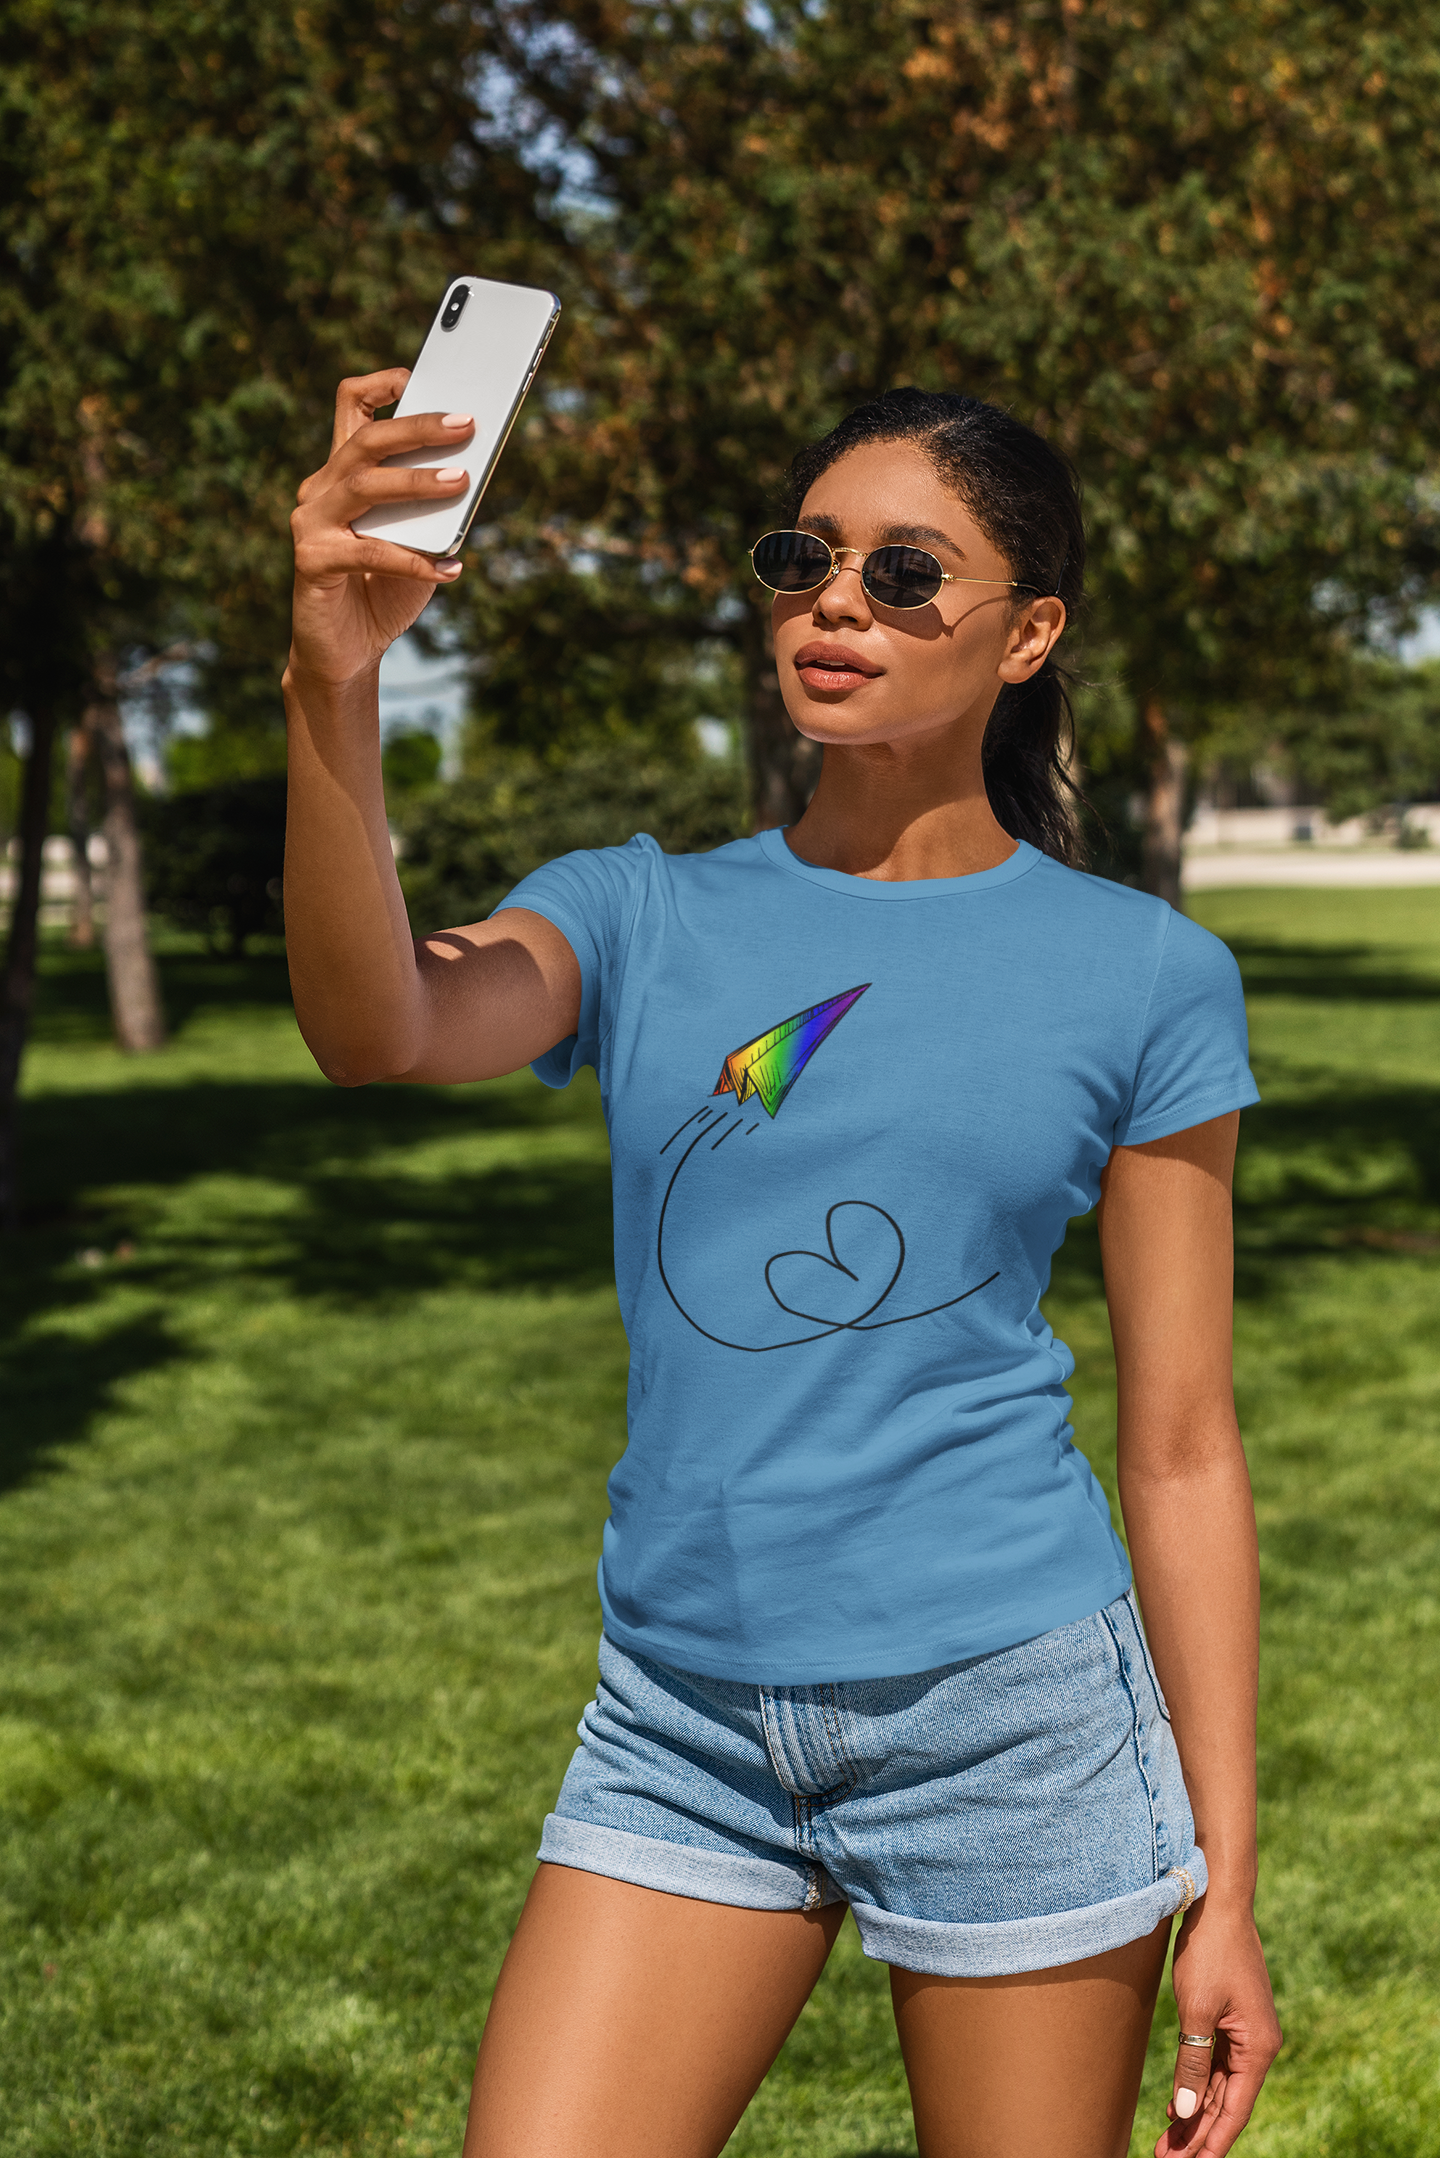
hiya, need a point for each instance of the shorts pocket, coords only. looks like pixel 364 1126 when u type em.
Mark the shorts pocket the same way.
pixel 1157 1759
pixel 1154 1677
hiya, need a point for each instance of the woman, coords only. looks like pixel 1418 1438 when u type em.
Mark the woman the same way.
pixel 869 1635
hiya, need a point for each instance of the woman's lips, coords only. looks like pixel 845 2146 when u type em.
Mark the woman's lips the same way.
pixel 833 666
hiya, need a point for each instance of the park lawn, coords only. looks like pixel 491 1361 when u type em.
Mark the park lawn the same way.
pixel 308 1401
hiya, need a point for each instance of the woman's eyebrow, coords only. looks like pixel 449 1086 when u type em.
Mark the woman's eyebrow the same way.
pixel 826 527
pixel 921 536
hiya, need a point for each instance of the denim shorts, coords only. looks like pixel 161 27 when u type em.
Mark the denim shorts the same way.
pixel 1009 1813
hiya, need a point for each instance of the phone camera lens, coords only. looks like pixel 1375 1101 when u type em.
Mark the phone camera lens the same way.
pixel 454 307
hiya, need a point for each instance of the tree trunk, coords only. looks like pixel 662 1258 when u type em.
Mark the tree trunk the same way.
pixel 784 766
pixel 17 990
pixel 77 820
pixel 130 973
pixel 1168 763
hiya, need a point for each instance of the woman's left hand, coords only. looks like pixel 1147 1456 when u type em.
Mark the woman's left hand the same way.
pixel 1221 1986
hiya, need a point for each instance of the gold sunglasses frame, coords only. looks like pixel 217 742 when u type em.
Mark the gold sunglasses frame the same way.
pixel 836 565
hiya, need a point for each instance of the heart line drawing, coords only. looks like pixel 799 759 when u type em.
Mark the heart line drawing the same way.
pixel 863 1323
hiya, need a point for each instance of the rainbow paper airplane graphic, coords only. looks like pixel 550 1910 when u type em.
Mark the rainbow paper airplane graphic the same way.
pixel 770 1065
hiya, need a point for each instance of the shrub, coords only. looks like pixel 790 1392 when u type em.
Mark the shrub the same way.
pixel 410 762
pixel 466 845
pixel 214 857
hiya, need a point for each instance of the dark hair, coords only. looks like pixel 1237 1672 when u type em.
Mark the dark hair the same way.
pixel 1025 497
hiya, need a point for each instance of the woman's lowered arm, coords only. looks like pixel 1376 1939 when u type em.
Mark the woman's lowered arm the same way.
pixel 1165 1234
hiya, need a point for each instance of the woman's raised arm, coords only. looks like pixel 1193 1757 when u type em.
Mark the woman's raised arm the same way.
pixel 1165 1234
pixel 372 1002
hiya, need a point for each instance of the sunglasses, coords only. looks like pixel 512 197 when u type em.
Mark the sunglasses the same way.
pixel 893 576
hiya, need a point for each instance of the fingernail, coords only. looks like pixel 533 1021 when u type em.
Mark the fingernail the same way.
pixel 448 475
pixel 450 567
pixel 457 419
pixel 1185 2103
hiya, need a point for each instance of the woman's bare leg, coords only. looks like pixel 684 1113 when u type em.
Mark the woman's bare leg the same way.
pixel 630 2024
pixel 1046 2062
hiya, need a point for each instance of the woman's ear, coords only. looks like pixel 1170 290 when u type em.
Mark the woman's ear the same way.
pixel 1034 635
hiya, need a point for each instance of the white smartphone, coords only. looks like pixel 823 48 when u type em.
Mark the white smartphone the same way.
pixel 485 344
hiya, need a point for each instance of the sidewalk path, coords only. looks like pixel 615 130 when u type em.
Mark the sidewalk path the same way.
pixel 1350 868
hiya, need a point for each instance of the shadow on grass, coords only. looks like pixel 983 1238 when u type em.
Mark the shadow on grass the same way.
pixel 540 1223
pixel 1344 973
pixel 54 1386
pixel 343 1233
pixel 72 1006
pixel 323 1207
pixel 285 1131
pixel 1352 1169
pixel 328 1199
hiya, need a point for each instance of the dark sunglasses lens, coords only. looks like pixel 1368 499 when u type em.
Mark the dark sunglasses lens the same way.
pixel 791 561
pixel 902 576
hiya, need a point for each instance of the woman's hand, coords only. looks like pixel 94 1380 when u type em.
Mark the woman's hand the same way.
pixel 1221 1987
pixel 354 596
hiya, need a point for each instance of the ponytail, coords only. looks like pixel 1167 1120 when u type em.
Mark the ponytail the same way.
pixel 1025 497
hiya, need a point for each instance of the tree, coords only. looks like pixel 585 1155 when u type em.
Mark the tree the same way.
pixel 206 217
pixel 40 675
pixel 17 982
pixel 1191 244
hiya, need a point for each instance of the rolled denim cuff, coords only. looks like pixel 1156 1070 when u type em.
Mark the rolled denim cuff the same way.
pixel 1016 1945
pixel 680 1869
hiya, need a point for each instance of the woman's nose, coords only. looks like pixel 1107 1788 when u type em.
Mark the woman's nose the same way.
pixel 844 598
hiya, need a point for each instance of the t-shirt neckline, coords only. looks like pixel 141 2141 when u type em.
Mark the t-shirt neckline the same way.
pixel 777 850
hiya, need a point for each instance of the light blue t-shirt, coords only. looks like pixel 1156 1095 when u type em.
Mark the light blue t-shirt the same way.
pixel 849 1121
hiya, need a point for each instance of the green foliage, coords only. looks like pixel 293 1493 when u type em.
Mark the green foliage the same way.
pixel 1107 769
pixel 571 659
pixel 1378 747
pixel 214 858
pixel 1190 244
pixel 310 1400
pixel 195 761
pixel 465 845
pixel 238 691
pixel 206 218
pixel 410 762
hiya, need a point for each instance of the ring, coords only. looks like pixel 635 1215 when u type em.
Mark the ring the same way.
pixel 1191 2038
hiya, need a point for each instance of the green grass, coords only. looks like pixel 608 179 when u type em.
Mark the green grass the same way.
pixel 308 1401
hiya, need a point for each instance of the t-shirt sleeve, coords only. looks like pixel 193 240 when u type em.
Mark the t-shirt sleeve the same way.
pixel 589 896
pixel 1194 1052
